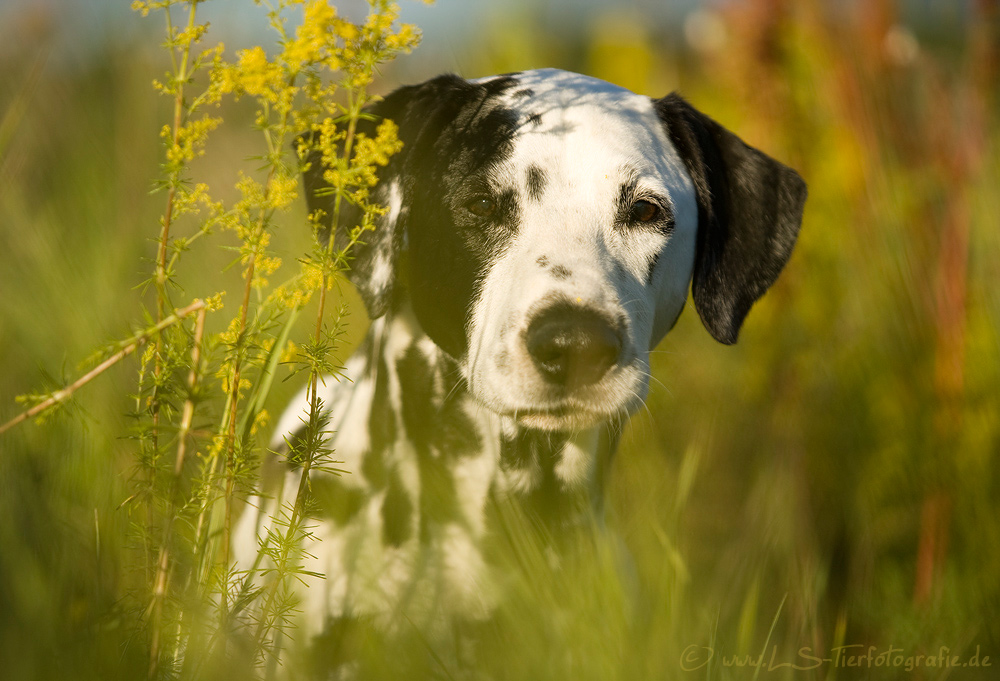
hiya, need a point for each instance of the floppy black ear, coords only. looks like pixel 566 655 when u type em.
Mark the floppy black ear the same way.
pixel 749 213
pixel 375 259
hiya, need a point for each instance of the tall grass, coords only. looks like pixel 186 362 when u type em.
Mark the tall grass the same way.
pixel 200 395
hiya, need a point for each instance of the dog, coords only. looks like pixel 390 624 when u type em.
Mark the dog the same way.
pixel 543 230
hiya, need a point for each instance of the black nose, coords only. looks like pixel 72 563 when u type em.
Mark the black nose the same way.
pixel 572 346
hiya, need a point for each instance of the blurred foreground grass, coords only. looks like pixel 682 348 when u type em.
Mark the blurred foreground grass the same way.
pixel 829 481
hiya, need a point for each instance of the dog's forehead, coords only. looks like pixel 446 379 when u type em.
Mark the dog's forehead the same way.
pixel 565 95
pixel 586 125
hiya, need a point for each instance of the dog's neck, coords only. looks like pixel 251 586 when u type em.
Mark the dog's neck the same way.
pixel 421 394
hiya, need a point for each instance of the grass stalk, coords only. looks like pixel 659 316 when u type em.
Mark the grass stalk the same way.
pixel 234 394
pixel 134 344
pixel 162 299
pixel 163 560
pixel 315 406
pixel 160 280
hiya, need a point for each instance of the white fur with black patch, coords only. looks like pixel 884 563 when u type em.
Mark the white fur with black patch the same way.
pixel 356 572
pixel 590 138
pixel 449 409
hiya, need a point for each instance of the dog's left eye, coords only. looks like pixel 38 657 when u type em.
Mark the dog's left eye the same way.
pixel 482 207
pixel 643 211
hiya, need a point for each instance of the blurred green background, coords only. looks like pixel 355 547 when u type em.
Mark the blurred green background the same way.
pixel 833 475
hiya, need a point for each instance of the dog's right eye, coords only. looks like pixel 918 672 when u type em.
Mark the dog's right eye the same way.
pixel 482 207
pixel 644 211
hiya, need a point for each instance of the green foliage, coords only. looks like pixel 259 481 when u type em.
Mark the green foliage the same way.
pixel 189 507
pixel 201 394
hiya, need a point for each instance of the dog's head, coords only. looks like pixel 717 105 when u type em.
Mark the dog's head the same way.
pixel 545 227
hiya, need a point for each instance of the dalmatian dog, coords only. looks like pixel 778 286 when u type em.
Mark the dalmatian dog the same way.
pixel 543 231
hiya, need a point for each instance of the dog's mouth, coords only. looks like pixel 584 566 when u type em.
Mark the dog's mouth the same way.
pixel 562 410
pixel 561 418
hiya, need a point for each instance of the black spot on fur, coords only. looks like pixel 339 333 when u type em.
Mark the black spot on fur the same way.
pixel 536 181
pixel 534 120
pixel 449 248
pixel 417 386
pixel 381 419
pixel 435 420
pixel 517 453
pixel 335 500
pixel 454 134
pixel 521 94
pixel 561 273
pixel 440 431
pixel 542 450
pixel 374 469
pixel 652 266
pixel 459 435
pixel 381 428
pixel 626 197
pixel 397 512
pixel 543 261
pixel 507 218
pixel 438 495
pixel 337 648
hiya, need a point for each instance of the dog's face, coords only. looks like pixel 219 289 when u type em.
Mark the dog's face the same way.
pixel 545 227
pixel 594 222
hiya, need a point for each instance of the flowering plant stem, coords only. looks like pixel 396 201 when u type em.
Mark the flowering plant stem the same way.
pixel 59 396
pixel 190 504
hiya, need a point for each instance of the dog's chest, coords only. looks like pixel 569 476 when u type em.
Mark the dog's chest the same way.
pixel 403 528
pixel 400 527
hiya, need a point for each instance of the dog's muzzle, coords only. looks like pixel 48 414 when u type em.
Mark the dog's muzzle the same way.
pixel 572 346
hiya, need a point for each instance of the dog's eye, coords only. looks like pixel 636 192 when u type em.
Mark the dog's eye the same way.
pixel 643 211
pixel 482 207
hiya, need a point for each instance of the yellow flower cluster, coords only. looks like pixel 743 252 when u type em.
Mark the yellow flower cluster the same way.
pixel 264 264
pixel 259 421
pixel 283 190
pixel 369 153
pixel 290 352
pixel 316 81
pixel 255 75
pixel 230 337
pixel 214 303
pixel 313 38
pixel 189 143
pixel 232 332
pixel 190 35
pixel 299 290
pixel 144 7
